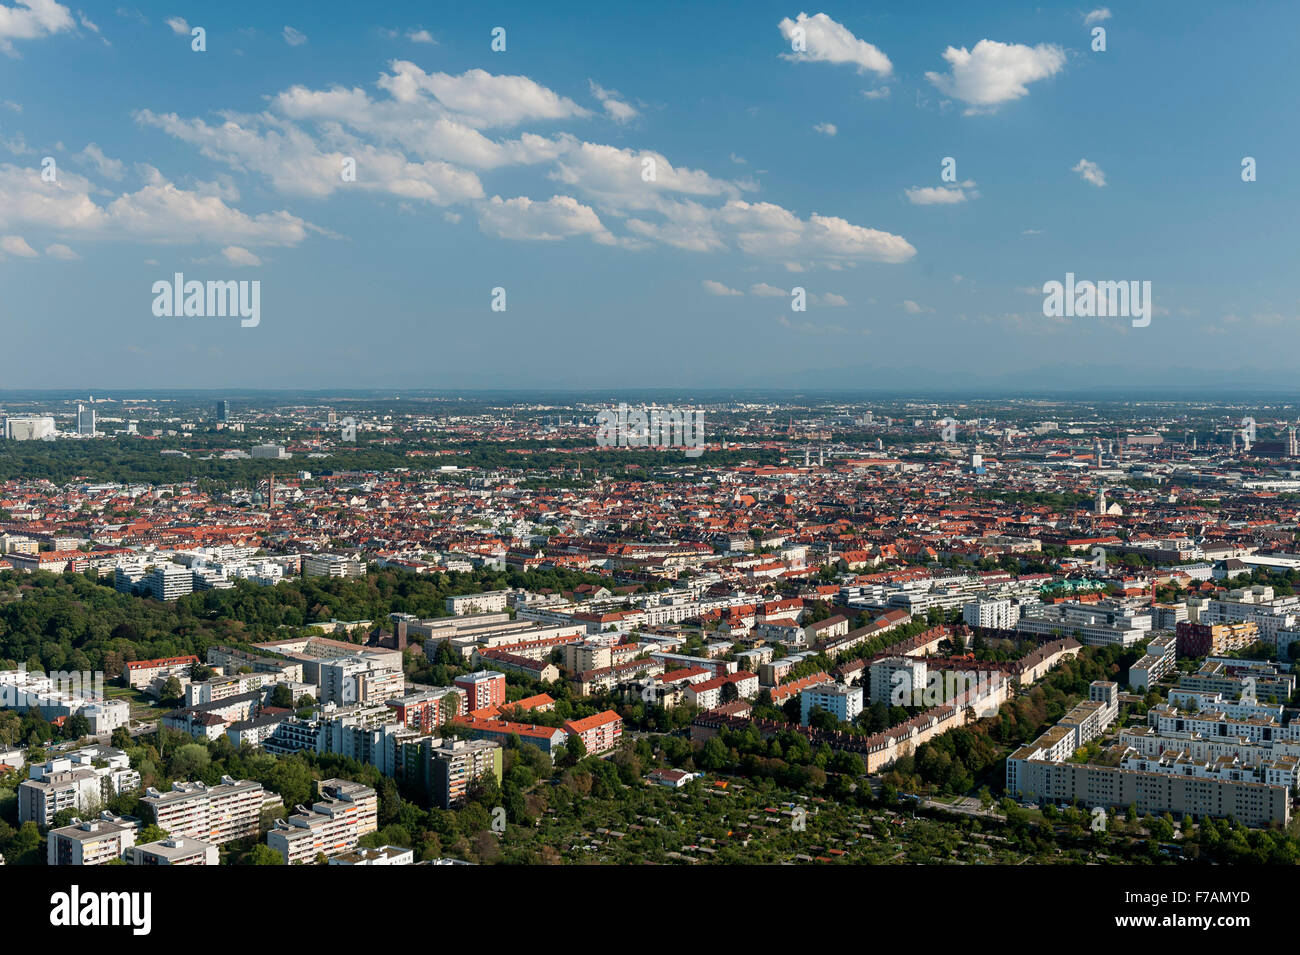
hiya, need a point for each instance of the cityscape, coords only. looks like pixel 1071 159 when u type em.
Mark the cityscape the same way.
pixel 699 435
pixel 363 630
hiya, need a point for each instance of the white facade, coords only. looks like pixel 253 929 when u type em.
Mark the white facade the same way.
pixel 998 614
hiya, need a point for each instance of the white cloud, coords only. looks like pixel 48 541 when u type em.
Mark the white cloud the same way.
pixel 17 245
pixel 158 212
pixel 826 129
pixel 480 98
pixel 937 195
pixel 766 229
pixel 442 123
pixel 294 37
pixel 717 288
pixel 179 26
pixel 18 145
pixel 297 165
pixel 880 92
pixel 994 73
pixel 826 41
pixel 617 109
pixel 421 36
pixel 557 218
pixel 1096 16
pixel 30 19
pixel 767 291
pixel 239 256
pixel 113 169
pixel 912 308
pixel 831 299
pixel 615 176
pixel 60 251
pixel 421 126
pixel 1090 172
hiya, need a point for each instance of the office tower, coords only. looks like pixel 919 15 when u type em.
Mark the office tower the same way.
pixel 85 421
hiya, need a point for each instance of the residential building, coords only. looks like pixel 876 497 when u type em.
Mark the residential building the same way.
pixel 483 689
pixel 174 850
pixel 599 733
pixel 333 565
pixel 452 764
pixel 84 780
pixel 842 702
pixel 216 814
pixel 90 841
pixel 344 813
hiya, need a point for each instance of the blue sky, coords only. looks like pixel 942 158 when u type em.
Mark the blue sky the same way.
pixel 521 169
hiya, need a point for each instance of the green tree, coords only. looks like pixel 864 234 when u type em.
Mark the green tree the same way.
pixel 264 855
pixel 575 749
pixel 171 693
pixel 281 697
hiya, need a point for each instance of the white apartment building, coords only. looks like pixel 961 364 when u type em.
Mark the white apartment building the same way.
pixel 490 602
pixel 215 814
pixel 174 850
pixel 1097 625
pixel 73 781
pixel 348 680
pixel 169 581
pixel 90 841
pixel 896 679
pixel 332 565
pixel 1161 658
pixel 843 702
pixel 998 613
pixel 62 694
pixel 345 812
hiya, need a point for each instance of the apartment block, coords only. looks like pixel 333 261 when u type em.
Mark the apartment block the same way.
pixel 332 565
pixel 169 581
pixel 359 679
pixel 174 850
pixel 74 781
pixel 599 733
pixel 90 841
pixel 1161 658
pixel 428 709
pixel 491 602
pixel 895 679
pixel 216 814
pixel 483 689
pixel 452 764
pixel 344 813
pixel 997 613
pixel 141 673
pixel 842 702
pixel 1203 639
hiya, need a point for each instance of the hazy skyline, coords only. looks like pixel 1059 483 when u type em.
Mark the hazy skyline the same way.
pixel 524 169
